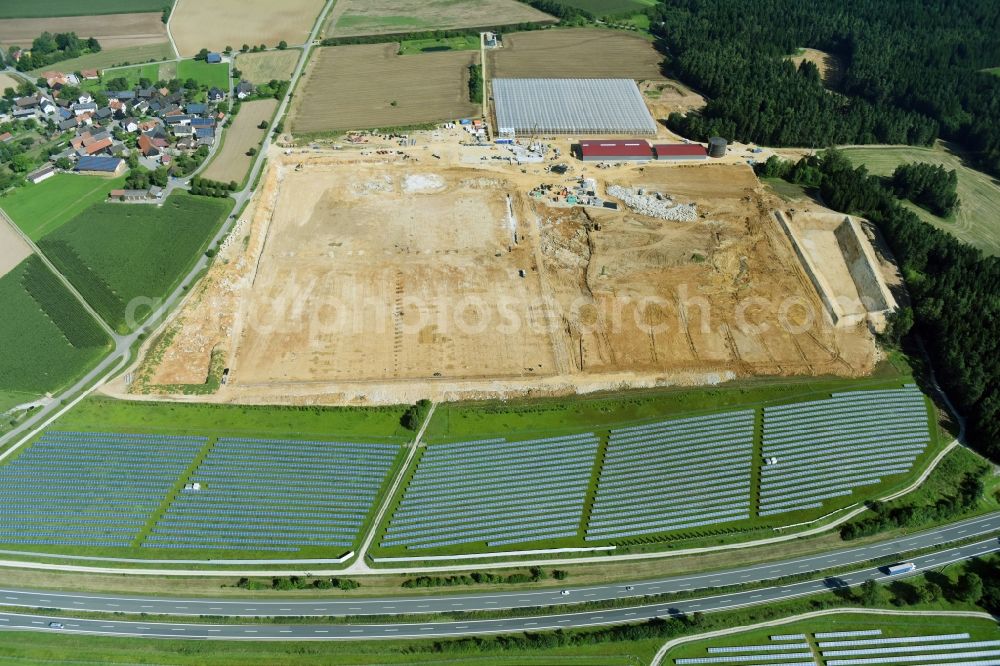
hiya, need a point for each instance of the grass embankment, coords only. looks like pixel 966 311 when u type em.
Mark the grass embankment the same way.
pixel 124 258
pixel 41 209
pixel 975 220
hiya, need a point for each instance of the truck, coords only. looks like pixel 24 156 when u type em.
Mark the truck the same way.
pixel 901 568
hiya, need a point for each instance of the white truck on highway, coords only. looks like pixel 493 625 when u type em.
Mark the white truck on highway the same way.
pixel 901 568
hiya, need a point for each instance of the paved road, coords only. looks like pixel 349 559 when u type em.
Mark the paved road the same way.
pixel 298 632
pixel 325 607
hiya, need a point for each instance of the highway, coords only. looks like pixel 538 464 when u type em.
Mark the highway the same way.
pixel 441 603
pixel 318 631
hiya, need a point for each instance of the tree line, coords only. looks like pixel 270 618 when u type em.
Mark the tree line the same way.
pixel 50 48
pixel 953 287
pixel 911 71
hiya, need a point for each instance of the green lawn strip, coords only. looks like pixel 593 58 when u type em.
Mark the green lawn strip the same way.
pixel 595 476
pixel 43 208
pixel 756 461
pixel 461 43
pixel 132 74
pixel 394 505
pixel 10 399
pixel 369 523
pixel 174 491
pixel 204 73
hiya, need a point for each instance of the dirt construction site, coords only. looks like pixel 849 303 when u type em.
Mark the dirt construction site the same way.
pixel 370 276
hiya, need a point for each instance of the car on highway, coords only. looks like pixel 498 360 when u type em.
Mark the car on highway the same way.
pixel 564 592
pixel 55 625
pixel 629 588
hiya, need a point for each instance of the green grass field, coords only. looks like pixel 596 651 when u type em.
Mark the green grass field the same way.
pixel 976 220
pixel 204 73
pixel 131 55
pixel 617 8
pixel 149 71
pixel 46 8
pixel 993 70
pixel 115 253
pixel 41 209
pixel 47 339
pixel 464 43
pixel 891 626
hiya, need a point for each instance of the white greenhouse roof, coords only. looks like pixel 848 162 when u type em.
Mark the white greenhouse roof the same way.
pixel 571 106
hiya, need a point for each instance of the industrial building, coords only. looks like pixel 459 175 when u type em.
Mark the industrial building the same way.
pixel 99 165
pixel 527 107
pixel 603 150
pixel 679 152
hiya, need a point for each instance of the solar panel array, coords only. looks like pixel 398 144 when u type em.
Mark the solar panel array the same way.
pixel 89 489
pixel 276 495
pixel 495 492
pixel 827 448
pixel 673 475
pixel 931 650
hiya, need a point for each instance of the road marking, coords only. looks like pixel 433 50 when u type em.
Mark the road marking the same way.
pixel 215 631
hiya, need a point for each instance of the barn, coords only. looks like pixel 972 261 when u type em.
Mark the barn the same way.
pixel 527 107
pixel 679 152
pixel 603 150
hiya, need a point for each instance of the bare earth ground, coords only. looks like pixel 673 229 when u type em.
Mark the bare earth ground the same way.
pixel 666 96
pixel 379 279
pixel 113 31
pixel 232 162
pixel 370 17
pixel 829 66
pixel 13 250
pixel 580 52
pixel 354 87
pixel 262 67
pixel 195 24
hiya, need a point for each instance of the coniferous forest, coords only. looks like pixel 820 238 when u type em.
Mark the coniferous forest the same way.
pixel 912 71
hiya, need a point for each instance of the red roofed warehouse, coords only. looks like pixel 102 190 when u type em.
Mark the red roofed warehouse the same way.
pixel 680 151
pixel 630 150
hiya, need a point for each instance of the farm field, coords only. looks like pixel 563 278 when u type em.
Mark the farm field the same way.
pixel 115 253
pixel 231 161
pixel 8 81
pixel 204 73
pixel 115 57
pixel 975 222
pixel 40 209
pixel 53 8
pixel 262 67
pixel 888 626
pixel 13 249
pixel 47 339
pixel 576 52
pixel 196 25
pixel 355 87
pixel 113 31
pixel 372 17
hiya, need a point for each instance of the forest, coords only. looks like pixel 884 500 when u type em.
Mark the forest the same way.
pixel 912 71
pixel 955 290
pixel 927 185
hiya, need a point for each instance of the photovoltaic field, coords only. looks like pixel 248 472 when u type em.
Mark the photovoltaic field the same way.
pixel 858 647
pixel 695 476
pixel 127 490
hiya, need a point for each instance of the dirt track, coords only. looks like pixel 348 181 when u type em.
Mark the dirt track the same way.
pixel 13 250
pixel 371 279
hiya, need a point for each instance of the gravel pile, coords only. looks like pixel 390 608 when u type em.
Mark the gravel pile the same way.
pixel 652 206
